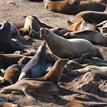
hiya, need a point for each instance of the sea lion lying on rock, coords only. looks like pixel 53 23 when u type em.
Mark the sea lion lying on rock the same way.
pixel 72 6
pixel 94 37
pixel 65 48
pixel 31 86
pixel 92 17
pixel 11 75
pixel 8 104
pixel 6 44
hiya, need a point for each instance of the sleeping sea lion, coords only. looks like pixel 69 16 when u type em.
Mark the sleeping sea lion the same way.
pixel 92 17
pixel 94 37
pixel 36 66
pixel 65 48
pixel 30 86
pixel 72 6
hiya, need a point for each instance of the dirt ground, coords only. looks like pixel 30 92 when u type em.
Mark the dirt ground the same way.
pixel 15 11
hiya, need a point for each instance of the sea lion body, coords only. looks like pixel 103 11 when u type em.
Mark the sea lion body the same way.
pixel 73 6
pixel 92 17
pixel 54 74
pixel 36 66
pixel 71 48
pixel 31 86
pixel 31 23
pixel 94 37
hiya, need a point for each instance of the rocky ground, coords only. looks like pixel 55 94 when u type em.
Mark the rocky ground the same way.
pixel 88 87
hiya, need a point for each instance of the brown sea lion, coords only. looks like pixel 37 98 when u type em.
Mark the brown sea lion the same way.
pixel 54 74
pixel 80 25
pixel 36 66
pixel 65 48
pixel 94 37
pixel 8 104
pixel 73 6
pixel 78 103
pixel 32 26
pixel 11 75
pixel 9 59
pixel 31 23
pixel 31 86
pixel 75 103
pixel 92 17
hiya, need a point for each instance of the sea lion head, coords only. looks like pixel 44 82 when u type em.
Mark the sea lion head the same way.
pixel 103 28
pixel 44 32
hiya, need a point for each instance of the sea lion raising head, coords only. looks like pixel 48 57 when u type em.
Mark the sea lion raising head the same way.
pixel 65 48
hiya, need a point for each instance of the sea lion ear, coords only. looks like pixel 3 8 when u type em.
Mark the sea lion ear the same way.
pixel 69 22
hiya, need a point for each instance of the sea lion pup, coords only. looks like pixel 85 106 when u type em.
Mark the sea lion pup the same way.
pixel 11 75
pixel 94 37
pixel 36 66
pixel 30 86
pixel 72 6
pixel 65 48
pixel 80 25
pixel 54 74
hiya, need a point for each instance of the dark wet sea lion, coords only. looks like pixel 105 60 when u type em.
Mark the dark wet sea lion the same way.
pixel 31 86
pixel 9 59
pixel 36 66
pixel 73 6
pixel 11 74
pixel 62 47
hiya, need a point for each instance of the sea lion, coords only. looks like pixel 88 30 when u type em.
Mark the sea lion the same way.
pixel 102 70
pixel 9 59
pixel 78 103
pixel 65 48
pixel 80 25
pixel 31 23
pixel 72 6
pixel 94 37
pixel 92 17
pixel 11 74
pixel 54 74
pixel 30 86
pixel 75 103
pixel 6 44
pixel 36 66
pixel 8 104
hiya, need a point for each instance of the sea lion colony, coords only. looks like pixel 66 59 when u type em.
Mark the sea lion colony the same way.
pixel 66 60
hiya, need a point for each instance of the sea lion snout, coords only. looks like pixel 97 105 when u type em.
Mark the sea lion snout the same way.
pixel 43 32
